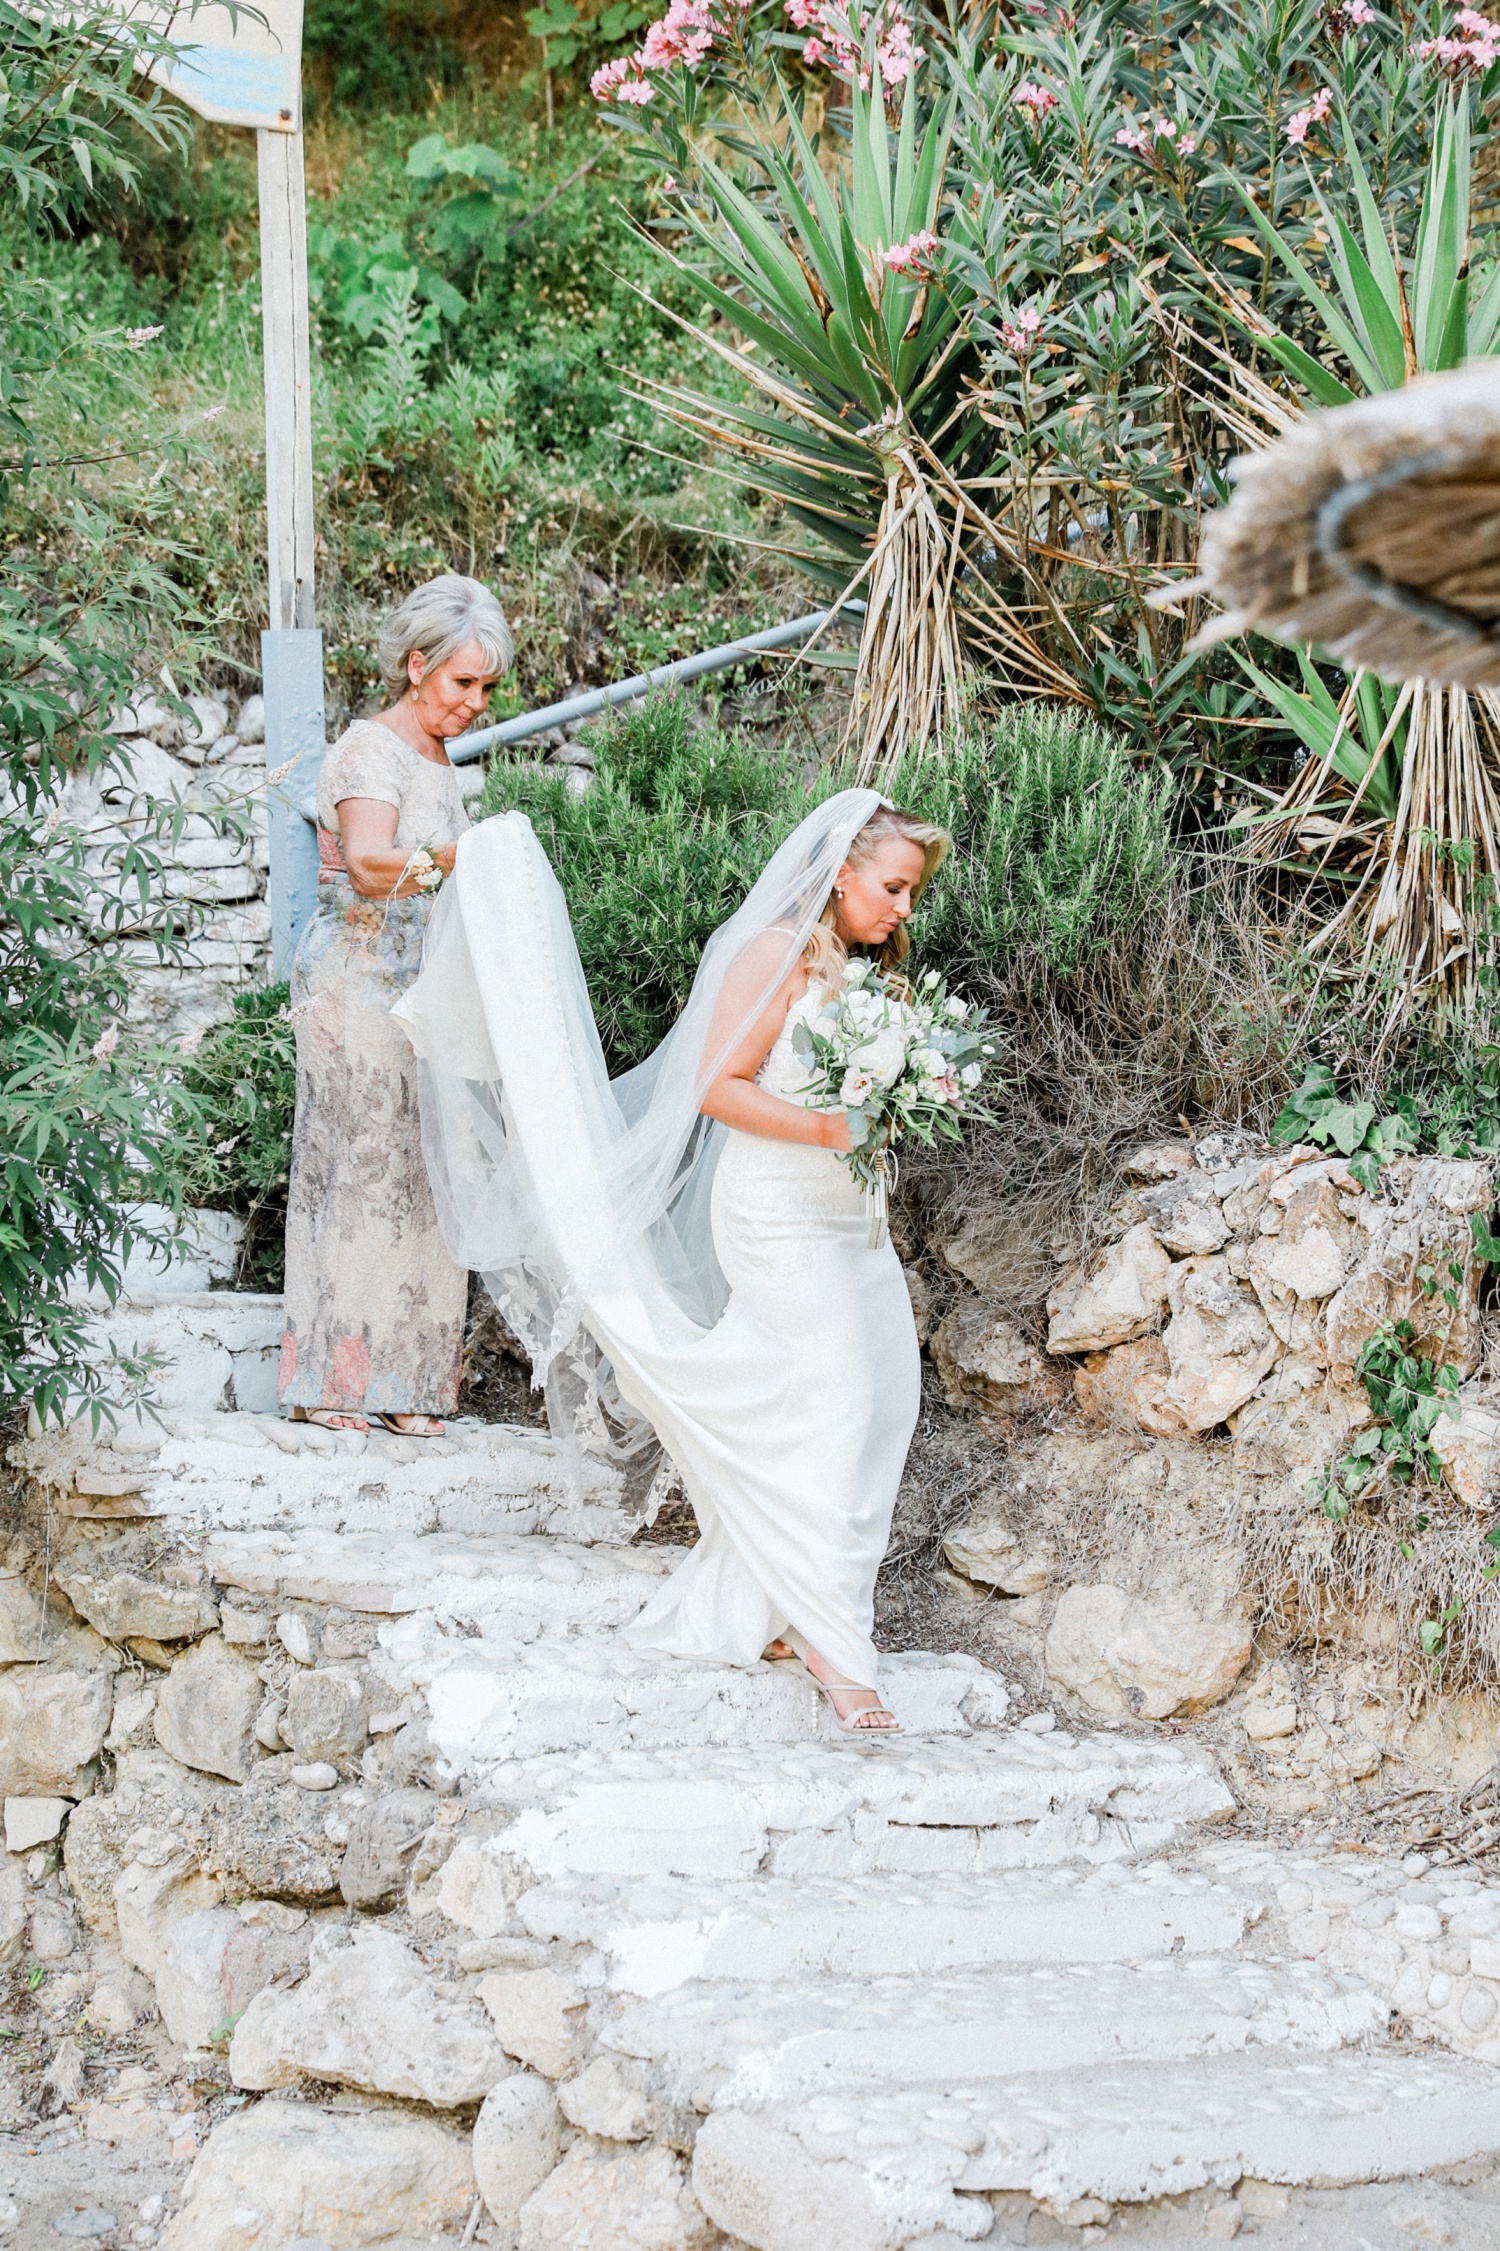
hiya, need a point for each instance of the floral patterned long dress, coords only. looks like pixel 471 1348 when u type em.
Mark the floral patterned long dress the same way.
pixel 374 1304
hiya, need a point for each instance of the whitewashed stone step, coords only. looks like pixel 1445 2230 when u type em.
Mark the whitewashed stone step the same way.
pixel 231 1472
pixel 896 2166
pixel 492 1701
pixel 995 1799
pixel 657 1935
pixel 463 1583
pixel 744 2043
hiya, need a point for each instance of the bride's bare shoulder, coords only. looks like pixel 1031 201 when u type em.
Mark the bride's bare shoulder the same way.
pixel 770 960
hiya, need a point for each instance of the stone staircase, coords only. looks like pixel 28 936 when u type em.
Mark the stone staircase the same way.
pixel 841 1995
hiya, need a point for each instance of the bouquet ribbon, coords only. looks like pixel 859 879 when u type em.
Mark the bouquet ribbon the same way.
pixel 878 1202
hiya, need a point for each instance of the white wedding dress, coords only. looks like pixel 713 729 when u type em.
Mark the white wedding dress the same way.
pixel 713 1286
pixel 790 1420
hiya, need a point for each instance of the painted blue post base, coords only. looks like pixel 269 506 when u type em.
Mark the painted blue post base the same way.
pixel 292 669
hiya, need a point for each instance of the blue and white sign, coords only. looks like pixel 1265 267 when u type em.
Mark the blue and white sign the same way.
pixel 234 66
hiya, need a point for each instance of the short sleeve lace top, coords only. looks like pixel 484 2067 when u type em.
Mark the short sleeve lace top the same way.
pixel 371 760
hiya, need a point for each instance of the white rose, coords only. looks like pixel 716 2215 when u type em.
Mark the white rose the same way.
pixel 930 1061
pixel 884 1057
pixel 856 1085
pixel 971 1074
pixel 955 1007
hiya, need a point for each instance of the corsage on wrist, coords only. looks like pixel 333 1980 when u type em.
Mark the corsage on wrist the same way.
pixel 425 872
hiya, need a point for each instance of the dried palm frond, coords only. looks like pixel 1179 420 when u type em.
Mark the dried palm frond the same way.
pixel 1374 530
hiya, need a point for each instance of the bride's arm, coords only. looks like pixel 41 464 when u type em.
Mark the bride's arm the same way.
pixel 732 1096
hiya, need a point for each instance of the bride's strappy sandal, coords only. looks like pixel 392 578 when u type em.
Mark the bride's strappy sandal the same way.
pixel 858 1723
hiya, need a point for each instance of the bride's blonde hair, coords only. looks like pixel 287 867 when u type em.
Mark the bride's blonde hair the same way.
pixel 825 953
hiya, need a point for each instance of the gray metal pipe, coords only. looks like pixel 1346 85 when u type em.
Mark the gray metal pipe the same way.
pixel 574 708
pixel 730 653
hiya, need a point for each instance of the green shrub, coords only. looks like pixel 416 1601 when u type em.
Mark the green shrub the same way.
pixel 1056 844
pixel 243 1082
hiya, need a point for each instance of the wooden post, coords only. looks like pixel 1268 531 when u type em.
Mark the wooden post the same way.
pixel 292 648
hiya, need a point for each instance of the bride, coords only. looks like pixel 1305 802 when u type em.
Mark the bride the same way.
pixel 681 1250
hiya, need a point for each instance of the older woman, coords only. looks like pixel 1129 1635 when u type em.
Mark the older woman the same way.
pixel 374 1304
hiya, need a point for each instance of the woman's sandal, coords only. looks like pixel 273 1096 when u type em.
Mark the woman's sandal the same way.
pixel 329 1418
pixel 863 1721
pixel 392 1423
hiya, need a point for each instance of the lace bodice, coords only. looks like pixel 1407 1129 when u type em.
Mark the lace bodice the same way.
pixel 782 1071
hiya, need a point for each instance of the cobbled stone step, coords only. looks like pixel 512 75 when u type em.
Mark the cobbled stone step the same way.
pixel 736 2042
pixel 653 1936
pixel 515 1585
pixel 871 2171
pixel 992 1800
pixel 207 1472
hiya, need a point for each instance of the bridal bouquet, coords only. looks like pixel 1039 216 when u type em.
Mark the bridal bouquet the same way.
pixel 898 1064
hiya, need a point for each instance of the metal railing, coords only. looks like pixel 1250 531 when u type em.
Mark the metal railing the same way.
pixel 574 709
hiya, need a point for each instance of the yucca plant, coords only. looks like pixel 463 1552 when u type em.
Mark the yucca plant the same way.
pixel 1397 798
pixel 854 358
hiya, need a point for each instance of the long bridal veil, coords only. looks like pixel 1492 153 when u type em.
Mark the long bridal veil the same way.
pixel 584 1201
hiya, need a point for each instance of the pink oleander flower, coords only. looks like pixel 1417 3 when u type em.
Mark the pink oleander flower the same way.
pixel 1469 57
pixel 683 35
pixel 1023 334
pixel 1142 139
pixel 609 77
pixel 1037 99
pixel 637 90
pixel 1296 127
pixel 841 36
pixel 1343 18
pixel 913 257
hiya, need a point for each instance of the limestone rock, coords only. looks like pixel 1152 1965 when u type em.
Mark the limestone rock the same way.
pixel 120 1603
pixel 34 1821
pixel 369 2015
pixel 1421 1222
pixel 1270 1710
pixel 260 1950
pixel 270 1839
pixel 384 1840
pixel 1185 1214
pixel 190 1974
pixel 1218 1343
pixel 1295 1437
pixel 602 2101
pixel 1161 1160
pixel 538 2015
pixel 474 1889
pixel 326 1716
pixel 150 1895
pixel 14 1907
pixel 984 1360
pixel 1469 1447
pixel 207 1708
pixel 992 1556
pixel 280 2173
pixel 1123 1300
pixel 517 2142
pixel 1126 1388
pixel 1127 1658
pixel 53 1720
pixel 614 2199
pixel 24 1634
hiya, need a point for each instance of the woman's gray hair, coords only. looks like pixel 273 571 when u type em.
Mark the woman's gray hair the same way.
pixel 435 621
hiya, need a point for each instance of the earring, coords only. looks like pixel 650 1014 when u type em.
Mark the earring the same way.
pixel 838 891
